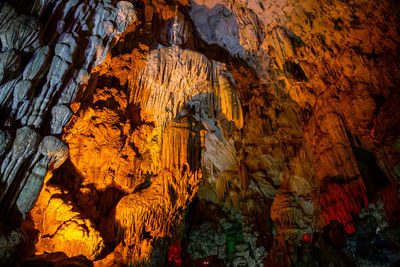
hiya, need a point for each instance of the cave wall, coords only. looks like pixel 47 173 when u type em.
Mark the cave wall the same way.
pixel 115 116
pixel 48 49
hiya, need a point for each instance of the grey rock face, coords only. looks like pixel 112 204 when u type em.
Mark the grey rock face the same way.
pixel 235 27
pixel 21 34
pixel 35 94
pixel 217 25
pixel 25 166
pixel 55 153
pixel 5 140
pixel 10 61
pixel 60 116
pixel 36 63
pixel 24 146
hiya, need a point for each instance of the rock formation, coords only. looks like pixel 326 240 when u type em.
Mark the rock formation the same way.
pixel 222 132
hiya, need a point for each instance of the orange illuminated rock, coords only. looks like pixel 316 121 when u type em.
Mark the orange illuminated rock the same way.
pixel 283 112
pixel 62 228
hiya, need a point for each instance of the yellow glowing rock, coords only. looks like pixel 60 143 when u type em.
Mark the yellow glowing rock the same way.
pixel 63 229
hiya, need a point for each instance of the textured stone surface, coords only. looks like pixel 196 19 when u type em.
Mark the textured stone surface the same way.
pixel 148 145
pixel 64 229
pixel 283 112
pixel 50 74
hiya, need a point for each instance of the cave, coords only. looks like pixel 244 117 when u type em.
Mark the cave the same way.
pixel 199 133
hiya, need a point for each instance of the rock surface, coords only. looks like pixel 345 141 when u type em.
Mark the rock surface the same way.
pixel 117 115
